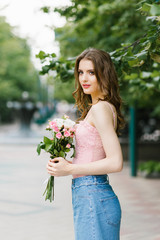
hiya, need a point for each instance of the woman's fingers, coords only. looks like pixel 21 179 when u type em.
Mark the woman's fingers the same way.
pixel 52 167
pixel 57 159
pixel 58 167
pixel 51 170
pixel 52 163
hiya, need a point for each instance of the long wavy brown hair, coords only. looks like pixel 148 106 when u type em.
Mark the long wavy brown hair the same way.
pixel 108 83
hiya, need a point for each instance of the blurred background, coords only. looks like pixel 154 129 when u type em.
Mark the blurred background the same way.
pixel 39 41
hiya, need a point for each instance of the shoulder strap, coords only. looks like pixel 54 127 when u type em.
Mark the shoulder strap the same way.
pixel 114 116
pixel 87 116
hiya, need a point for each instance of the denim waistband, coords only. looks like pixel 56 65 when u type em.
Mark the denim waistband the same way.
pixel 89 180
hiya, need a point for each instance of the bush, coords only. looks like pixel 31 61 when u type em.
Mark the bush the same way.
pixel 150 167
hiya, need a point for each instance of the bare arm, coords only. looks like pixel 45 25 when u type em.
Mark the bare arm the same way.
pixel 103 121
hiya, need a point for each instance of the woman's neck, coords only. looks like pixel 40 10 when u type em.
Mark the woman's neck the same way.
pixel 96 99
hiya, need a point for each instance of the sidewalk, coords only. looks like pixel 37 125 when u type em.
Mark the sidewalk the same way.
pixel 24 214
pixel 140 202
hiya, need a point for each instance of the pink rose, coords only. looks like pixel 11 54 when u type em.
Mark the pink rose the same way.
pixel 72 135
pixel 68 145
pixel 58 135
pixel 52 124
pixel 66 133
pixel 56 129
pixel 72 129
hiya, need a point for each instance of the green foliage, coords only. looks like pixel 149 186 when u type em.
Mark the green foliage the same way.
pixel 132 28
pixel 63 67
pixel 63 80
pixel 100 24
pixel 150 167
pixel 40 146
pixel 63 90
pixel 17 73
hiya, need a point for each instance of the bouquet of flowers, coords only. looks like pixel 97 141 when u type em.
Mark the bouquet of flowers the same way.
pixel 61 142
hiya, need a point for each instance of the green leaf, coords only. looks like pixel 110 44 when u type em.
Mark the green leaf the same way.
pixel 149 85
pixel 135 63
pixel 62 154
pixel 145 74
pixel 41 55
pixel 131 76
pixel 55 140
pixel 47 140
pixel 155 10
pixel 155 57
pixel 45 9
pixel 146 7
pixel 74 153
pixel 53 55
pixel 55 152
pixel 48 147
pixel 148 45
pixel 67 150
pixel 39 149
pixel 142 55
pixel 40 146
pixel 48 143
pixel 45 69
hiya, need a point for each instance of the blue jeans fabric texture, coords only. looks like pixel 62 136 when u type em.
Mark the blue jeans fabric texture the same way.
pixel 96 209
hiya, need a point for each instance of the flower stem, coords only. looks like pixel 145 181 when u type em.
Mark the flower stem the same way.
pixel 49 191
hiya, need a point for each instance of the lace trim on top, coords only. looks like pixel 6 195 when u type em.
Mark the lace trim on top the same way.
pixel 91 133
pixel 89 126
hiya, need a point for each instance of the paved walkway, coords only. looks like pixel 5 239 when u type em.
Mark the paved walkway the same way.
pixel 24 214
pixel 140 202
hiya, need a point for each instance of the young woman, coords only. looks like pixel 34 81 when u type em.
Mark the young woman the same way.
pixel 96 208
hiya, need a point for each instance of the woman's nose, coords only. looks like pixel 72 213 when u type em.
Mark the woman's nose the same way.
pixel 84 77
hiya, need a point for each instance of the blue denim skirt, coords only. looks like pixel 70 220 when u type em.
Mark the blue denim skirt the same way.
pixel 96 209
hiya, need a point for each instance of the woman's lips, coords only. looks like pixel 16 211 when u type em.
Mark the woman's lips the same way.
pixel 86 85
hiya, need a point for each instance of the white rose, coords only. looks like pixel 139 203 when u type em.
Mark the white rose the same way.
pixel 59 121
pixel 68 123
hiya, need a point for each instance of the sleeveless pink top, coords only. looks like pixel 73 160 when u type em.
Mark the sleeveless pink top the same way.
pixel 89 146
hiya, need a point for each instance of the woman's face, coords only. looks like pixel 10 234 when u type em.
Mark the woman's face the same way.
pixel 88 79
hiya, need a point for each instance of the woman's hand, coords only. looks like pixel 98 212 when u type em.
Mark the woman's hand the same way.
pixel 59 167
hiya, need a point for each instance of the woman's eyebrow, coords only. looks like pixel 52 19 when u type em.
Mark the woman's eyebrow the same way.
pixel 88 70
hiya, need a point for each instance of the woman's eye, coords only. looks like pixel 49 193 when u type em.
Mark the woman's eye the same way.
pixel 80 72
pixel 91 73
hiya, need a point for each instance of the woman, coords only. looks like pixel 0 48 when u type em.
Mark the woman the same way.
pixel 97 212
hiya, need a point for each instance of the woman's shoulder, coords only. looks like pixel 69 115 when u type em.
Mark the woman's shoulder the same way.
pixel 103 106
pixel 103 112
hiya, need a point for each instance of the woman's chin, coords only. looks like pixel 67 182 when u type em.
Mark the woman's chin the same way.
pixel 86 91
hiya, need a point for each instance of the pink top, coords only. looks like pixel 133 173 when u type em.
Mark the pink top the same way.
pixel 89 147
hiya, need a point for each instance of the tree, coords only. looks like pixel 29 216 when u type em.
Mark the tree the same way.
pixel 100 24
pixel 130 28
pixel 17 73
